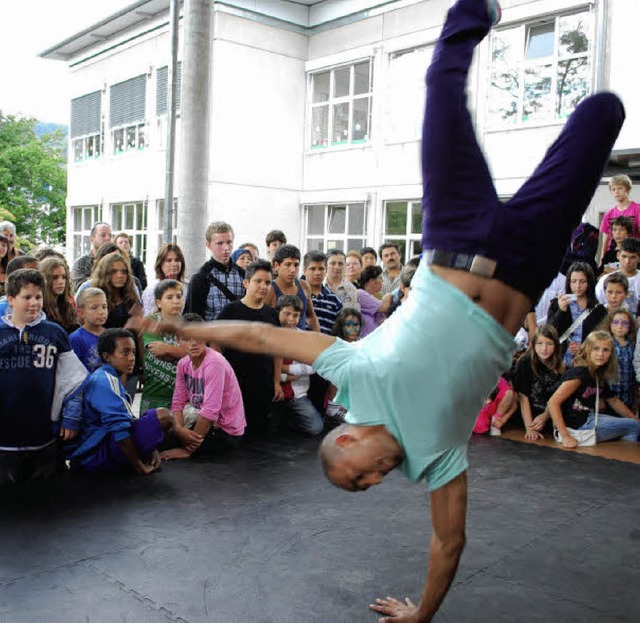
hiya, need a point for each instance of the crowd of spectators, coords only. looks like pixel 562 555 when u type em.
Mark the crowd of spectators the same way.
pixel 72 361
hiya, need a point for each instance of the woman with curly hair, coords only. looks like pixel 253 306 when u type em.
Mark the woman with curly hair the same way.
pixel 57 301
pixel 169 265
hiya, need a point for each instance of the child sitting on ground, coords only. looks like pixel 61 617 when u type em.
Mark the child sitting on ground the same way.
pixel 616 290
pixel 110 438
pixel 162 352
pixel 622 325
pixel 40 376
pixel 295 408
pixel 92 313
pixel 207 409
pixel 498 409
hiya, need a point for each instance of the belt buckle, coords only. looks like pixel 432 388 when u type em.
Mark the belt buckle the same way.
pixel 483 266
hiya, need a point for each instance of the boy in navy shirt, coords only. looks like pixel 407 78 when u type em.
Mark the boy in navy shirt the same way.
pixel 40 376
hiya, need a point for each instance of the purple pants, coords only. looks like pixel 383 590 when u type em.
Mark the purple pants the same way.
pixel 528 235
pixel 147 435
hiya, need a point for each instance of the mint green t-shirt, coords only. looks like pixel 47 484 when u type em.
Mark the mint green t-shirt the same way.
pixel 424 375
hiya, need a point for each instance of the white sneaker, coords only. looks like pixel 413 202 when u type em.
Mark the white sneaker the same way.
pixel 494 431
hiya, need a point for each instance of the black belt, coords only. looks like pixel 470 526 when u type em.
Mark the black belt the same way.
pixel 476 264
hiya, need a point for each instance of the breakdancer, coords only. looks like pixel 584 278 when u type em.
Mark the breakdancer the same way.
pixel 414 386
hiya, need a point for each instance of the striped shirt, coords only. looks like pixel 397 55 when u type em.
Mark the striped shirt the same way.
pixel 326 305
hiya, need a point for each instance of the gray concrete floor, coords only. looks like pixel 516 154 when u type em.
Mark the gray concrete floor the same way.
pixel 261 537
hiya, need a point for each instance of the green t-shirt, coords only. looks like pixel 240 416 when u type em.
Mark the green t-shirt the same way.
pixel 159 375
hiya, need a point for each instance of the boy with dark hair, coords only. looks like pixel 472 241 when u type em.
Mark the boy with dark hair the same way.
pixel 296 409
pixel 616 288
pixel 286 264
pixel 110 438
pixel 162 352
pixel 208 414
pixel 621 229
pixel 628 257
pixel 275 238
pixel 92 315
pixel 258 375
pixel 326 304
pixel 40 378
pixel 480 273
pixel 18 262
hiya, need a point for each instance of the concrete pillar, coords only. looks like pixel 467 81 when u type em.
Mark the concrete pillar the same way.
pixel 194 118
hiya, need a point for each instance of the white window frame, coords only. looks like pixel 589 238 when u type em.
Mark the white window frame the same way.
pixel 89 214
pixel 136 228
pixel 521 64
pixel 160 221
pixel 334 101
pixel 409 238
pixel 138 131
pixel 326 240
pixel 81 147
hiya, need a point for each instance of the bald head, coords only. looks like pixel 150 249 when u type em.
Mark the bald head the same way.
pixel 357 457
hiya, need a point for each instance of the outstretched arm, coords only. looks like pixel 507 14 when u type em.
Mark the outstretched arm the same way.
pixel 448 516
pixel 257 337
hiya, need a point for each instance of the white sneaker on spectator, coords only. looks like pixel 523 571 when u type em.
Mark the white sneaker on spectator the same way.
pixel 494 431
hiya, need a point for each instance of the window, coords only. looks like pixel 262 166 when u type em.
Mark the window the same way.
pixel 160 221
pixel 83 218
pixel 337 226
pixel 341 105
pixel 403 226
pixel 405 94
pixel 86 127
pixel 540 71
pixel 162 89
pixel 131 218
pixel 127 114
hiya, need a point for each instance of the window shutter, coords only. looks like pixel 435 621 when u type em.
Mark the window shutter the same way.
pixel 128 100
pixel 162 89
pixel 85 114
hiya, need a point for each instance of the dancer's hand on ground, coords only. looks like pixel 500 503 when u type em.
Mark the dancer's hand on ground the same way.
pixel 396 611
pixel 569 442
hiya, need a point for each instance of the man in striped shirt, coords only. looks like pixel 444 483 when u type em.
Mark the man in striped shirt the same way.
pixel 325 303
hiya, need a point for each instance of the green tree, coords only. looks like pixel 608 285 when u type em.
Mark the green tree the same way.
pixel 33 180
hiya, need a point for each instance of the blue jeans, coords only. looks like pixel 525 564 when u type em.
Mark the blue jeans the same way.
pixel 611 427
pixel 301 415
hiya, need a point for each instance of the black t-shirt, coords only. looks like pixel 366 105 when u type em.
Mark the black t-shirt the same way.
pixel 538 389
pixel 577 407
pixel 254 372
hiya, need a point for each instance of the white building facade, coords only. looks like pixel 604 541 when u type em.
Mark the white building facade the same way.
pixel 316 112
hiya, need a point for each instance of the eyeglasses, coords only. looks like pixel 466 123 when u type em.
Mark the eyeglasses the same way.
pixel 620 323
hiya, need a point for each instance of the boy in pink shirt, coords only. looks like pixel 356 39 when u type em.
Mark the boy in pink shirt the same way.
pixel 207 408
pixel 620 187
